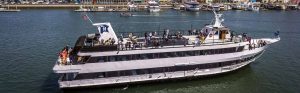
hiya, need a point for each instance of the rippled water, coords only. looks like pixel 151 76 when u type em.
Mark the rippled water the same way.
pixel 30 40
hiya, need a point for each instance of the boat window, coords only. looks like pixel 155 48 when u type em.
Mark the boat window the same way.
pixel 112 58
pixel 155 55
pixel 219 51
pixel 122 73
pixel 150 56
pixel 208 52
pixel 101 59
pixel 227 50
pixel 92 60
pixel 201 52
pixel 189 53
pixel 112 74
pixel 238 61
pixel 193 67
pixel 134 57
pixel 232 50
pixel 169 69
pixel 172 54
pixel 157 70
pixel 217 32
pixel 143 56
pixel 100 74
pixel 180 68
pixel 128 57
pixel 142 71
pixel 180 54
pixel 163 55
pixel 240 48
pixel 118 58
pixel 184 53
pixel 201 66
pixel 133 72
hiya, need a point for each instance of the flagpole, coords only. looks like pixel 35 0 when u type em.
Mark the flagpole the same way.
pixel 85 16
pixel 89 18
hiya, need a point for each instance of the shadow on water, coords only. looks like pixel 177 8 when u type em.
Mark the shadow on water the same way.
pixel 165 86
pixel 50 85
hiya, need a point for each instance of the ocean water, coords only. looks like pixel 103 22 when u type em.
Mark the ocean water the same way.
pixel 31 39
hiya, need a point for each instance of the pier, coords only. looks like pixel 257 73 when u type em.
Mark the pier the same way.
pixel 26 6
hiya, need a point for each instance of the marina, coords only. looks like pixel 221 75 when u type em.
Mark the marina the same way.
pixel 32 39
pixel 9 9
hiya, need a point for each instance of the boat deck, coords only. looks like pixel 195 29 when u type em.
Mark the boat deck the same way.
pixel 153 63
pixel 141 50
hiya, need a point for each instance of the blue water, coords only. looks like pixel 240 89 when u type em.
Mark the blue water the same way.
pixel 30 40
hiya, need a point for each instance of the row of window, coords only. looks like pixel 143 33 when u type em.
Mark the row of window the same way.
pixel 159 70
pixel 164 55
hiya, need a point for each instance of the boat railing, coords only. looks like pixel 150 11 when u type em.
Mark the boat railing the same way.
pixel 161 32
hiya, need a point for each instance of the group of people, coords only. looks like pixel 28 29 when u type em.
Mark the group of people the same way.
pixel 260 43
pixel 199 39
pixel 65 56
pixel 194 32
pixel 132 40
pixel 150 39
pixel 109 41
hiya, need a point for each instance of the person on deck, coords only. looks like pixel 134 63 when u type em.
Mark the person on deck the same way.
pixel 64 54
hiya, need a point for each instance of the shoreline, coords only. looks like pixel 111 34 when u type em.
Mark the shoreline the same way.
pixel 22 6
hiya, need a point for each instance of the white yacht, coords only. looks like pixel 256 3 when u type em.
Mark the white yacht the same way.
pixel 252 7
pixel 216 7
pixel 132 6
pixel 82 9
pixel 103 59
pixel 192 5
pixel 153 6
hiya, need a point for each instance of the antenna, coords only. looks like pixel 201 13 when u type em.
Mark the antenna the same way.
pixel 218 20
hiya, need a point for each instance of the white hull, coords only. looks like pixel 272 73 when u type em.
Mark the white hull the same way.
pixel 192 9
pixel 132 7
pixel 154 77
pixel 154 10
pixel 189 6
pixel 169 75
pixel 10 10
pixel 252 8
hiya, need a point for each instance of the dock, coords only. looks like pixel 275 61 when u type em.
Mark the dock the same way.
pixel 10 10
pixel 74 6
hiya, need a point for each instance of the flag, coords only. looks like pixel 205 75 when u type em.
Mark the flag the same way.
pixel 85 17
pixel 103 28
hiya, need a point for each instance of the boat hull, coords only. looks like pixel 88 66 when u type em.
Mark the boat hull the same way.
pixel 153 10
pixel 148 78
pixel 192 9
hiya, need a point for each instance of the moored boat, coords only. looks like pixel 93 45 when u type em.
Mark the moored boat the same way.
pixel 252 6
pixel 192 5
pixel 153 6
pixel 126 14
pixel 132 6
